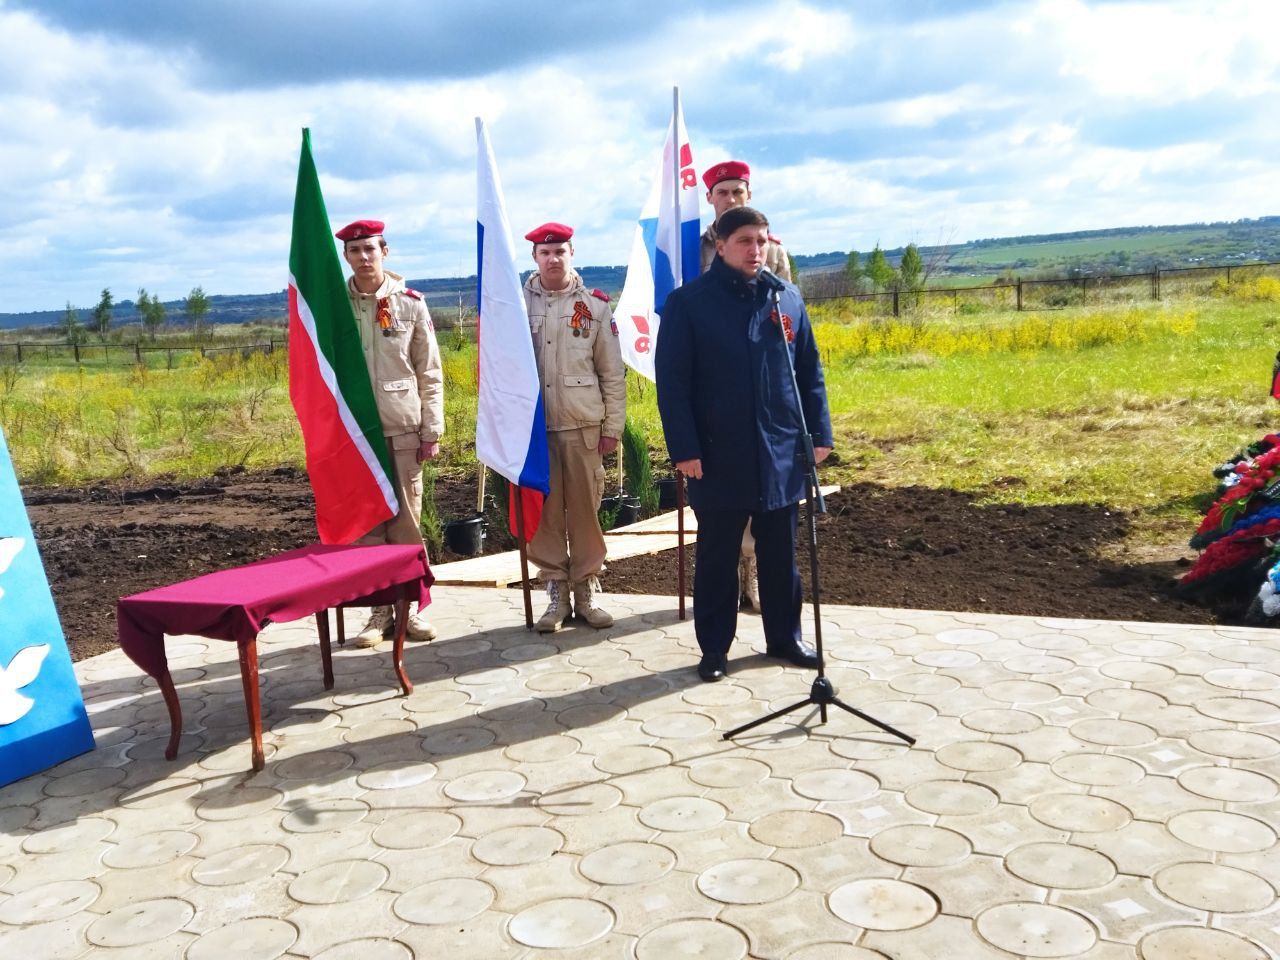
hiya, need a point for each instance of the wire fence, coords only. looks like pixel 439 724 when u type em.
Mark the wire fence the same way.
pixel 125 354
pixel 1057 293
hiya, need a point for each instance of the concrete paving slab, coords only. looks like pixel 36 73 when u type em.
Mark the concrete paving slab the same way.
pixel 1079 789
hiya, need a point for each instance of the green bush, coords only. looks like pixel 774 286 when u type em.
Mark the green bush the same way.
pixel 636 468
pixel 430 525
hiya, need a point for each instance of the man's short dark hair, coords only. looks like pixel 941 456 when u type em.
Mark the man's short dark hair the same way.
pixel 735 218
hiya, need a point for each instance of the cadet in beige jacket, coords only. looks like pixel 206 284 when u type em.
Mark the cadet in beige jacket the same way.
pixel 584 397
pixel 728 186
pixel 400 351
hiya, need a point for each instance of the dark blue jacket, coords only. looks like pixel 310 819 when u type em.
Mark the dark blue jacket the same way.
pixel 725 394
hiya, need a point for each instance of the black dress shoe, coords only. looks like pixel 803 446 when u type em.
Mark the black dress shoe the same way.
pixel 713 667
pixel 799 655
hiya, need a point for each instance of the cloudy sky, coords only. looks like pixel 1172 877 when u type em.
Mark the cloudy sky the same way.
pixel 155 143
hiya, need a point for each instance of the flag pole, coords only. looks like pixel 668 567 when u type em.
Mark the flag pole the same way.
pixel 524 559
pixel 678 273
pixel 677 262
pixel 680 574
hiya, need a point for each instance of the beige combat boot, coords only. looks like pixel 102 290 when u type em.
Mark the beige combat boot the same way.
pixel 747 582
pixel 584 603
pixel 419 628
pixel 558 608
pixel 381 619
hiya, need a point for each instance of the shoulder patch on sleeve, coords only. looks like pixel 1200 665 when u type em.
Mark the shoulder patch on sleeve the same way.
pixel 600 295
pixel 409 292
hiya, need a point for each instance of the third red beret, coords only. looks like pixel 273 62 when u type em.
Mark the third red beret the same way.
pixel 726 170
pixel 550 233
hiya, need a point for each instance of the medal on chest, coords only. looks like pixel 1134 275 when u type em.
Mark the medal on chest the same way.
pixel 384 316
pixel 580 322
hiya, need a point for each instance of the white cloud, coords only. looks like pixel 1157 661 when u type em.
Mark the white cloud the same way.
pixel 1160 52
pixel 794 35
pixel 134 171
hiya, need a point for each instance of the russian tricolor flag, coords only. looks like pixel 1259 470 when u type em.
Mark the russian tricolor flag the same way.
pixel 666 250
pixel 511 427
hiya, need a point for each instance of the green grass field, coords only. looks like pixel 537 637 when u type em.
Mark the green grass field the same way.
pixel 1129 407
pixel 1180 247
pixel 1051 252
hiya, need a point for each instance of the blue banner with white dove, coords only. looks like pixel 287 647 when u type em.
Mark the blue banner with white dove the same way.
pixel 42 716
pixel 665 251
pixel 511 427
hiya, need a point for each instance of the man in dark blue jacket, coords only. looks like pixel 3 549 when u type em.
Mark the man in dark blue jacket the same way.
pixel 729 413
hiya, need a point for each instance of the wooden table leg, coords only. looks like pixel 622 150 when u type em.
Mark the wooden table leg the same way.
pixel 397 650
pixel 326 651
pixel 342 626
pixel 165 682
pixel 249 675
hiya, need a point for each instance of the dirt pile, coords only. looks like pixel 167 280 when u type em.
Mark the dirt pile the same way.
pixel 909 547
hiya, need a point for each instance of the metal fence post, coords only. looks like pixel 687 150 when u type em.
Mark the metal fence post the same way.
pixel 137 351
pixel 75 347
pixel 19 346
pixel 895 303
pixel 1019 293
pixel 1157 283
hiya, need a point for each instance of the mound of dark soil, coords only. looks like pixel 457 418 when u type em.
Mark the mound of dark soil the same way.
pixel 910 547
pixel 104 542
pixel 935 550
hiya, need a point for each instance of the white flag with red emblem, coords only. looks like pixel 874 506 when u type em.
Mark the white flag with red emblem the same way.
pixel 665 251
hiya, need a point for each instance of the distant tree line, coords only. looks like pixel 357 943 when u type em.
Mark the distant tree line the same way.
pixel 151 311
pixel 877 275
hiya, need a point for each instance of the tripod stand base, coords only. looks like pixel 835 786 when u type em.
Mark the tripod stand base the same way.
pixel 822 695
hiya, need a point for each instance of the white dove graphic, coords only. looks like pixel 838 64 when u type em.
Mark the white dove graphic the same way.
pixel 22 670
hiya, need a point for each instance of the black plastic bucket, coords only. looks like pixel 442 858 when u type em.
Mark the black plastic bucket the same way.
pixel 465 537
pixel 628 511
pixel 667 493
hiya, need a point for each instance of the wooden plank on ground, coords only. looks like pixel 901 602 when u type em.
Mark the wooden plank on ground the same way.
pixel 666 522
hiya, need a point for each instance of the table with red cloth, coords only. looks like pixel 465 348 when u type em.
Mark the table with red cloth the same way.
pixel 236 604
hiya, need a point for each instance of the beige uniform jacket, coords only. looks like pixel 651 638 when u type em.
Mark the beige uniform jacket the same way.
pixel 775 255
pixel 404 366
pixel 583 379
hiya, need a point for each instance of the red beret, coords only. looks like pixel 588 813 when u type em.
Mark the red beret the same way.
pixel 550 233
pixel 360 229
pixel 728 170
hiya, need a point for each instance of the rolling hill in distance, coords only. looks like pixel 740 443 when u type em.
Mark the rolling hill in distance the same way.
pixel 1082 253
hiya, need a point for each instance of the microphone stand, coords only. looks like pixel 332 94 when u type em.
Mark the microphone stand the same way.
pixel 822 693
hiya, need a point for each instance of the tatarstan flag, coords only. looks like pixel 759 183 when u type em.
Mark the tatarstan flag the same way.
pixel 328 381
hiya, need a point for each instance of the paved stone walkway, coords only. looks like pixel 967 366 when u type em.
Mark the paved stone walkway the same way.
pixel 1079 789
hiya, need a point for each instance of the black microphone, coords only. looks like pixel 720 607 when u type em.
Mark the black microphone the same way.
pixel 770 279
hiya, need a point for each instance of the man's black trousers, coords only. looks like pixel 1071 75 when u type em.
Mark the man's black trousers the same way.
pixel 715 577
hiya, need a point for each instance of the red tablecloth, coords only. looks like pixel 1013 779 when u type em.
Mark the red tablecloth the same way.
pixel 235 604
